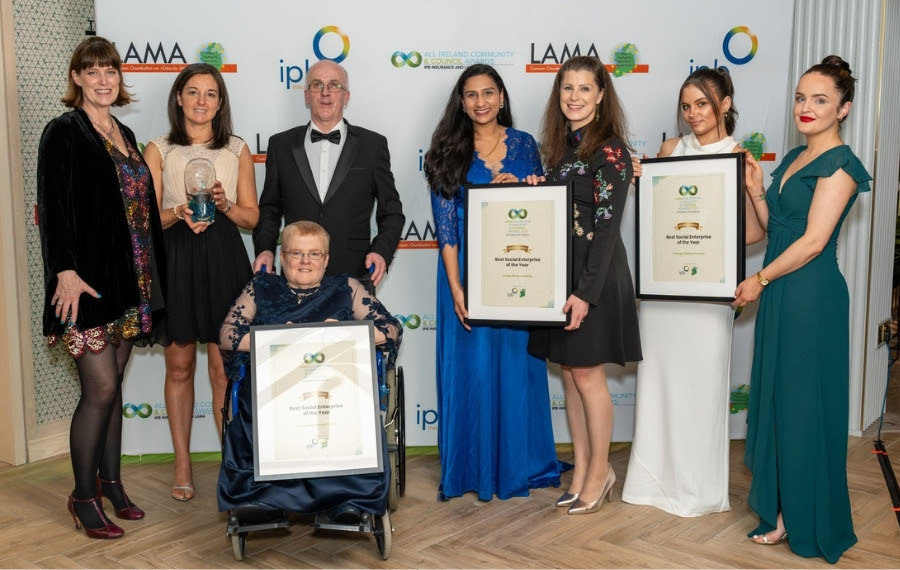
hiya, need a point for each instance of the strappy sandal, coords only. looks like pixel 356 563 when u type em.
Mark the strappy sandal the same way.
pixel 764 539
pixel 187 492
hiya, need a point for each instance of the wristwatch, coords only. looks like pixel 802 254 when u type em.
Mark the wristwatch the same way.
pixel 762 280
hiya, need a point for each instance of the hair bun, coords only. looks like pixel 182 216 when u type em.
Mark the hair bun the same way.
pixel 722 70
pixel 837 61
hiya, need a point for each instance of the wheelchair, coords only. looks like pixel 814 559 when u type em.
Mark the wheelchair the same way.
pixel 244 519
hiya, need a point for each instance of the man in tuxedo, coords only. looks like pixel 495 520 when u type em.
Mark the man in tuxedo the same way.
pixel 332 173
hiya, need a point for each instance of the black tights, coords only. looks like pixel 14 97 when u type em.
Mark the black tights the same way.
pixel 95 437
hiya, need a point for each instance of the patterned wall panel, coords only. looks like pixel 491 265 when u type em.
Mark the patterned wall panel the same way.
pixel 46 33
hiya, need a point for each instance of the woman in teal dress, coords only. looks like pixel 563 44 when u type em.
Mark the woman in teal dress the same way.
pixel 495 436
pixel 799 396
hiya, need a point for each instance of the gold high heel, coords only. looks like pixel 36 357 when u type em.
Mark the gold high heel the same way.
pixel 580 507
pixel 566 499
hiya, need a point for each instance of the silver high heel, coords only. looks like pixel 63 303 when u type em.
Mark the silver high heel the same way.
pixel 566 499
pixel 580 507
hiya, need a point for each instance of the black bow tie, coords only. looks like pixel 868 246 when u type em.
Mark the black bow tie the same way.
pixel 332 137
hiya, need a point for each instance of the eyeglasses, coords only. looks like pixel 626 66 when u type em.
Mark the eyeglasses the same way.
pixel 312 255
pixel 331 87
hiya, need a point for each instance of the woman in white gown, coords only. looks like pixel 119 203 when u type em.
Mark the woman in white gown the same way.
pixel 679 457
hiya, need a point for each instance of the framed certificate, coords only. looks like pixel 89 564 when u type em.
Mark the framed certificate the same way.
pixel 517 253
pixel 315 403
pixel 690 227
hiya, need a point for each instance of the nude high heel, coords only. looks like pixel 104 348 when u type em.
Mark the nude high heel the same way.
pixel 580 507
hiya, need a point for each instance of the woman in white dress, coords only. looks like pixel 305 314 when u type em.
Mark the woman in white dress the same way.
pixel 679 457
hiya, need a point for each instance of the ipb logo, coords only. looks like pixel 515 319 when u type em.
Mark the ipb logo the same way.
pixel 345 44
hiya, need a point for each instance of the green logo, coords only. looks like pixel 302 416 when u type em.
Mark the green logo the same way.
pixel 317 357
pixel 625 59
pixel 213 54
pixel 521 214
pixel 137 410
pixel 755 143
pixel 688 190
pixel 740 398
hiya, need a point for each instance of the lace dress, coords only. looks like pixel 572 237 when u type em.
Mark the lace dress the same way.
pixel 268 300
pixel 206 271
pixel 494 431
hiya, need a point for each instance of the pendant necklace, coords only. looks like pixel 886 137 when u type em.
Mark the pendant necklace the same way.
pixel 302 296
pixel 107 132
pixel 496 144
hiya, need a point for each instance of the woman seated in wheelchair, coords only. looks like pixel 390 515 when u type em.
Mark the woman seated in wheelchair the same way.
pixel 303 294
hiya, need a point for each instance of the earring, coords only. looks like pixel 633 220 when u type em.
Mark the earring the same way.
pixel 840 119
pixel 501 104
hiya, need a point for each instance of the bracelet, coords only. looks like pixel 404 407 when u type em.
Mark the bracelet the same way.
pixel 175 211
pixel 227 206
pixel 760 197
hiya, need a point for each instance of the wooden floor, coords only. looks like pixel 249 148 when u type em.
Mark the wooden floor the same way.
pixel 520 533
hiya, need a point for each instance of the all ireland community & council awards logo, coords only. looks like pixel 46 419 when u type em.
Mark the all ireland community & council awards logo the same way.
pixel 450 59
pixel 166 57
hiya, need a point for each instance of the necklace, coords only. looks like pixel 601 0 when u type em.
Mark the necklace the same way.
pixel 302 296
pixel 496 144
pixel 108 132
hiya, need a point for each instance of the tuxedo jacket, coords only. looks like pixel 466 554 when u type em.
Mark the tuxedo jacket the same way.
pixel 362 180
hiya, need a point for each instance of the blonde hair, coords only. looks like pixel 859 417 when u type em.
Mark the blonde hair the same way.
pixel 304 228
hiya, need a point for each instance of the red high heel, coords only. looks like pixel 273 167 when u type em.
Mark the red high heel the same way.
pixel 109 528
pixel 130 512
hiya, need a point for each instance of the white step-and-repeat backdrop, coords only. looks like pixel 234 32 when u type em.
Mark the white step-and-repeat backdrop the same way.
pixel 403 58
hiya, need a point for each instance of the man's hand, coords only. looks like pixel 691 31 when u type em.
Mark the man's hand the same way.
pixel 266 258
pixel 380 270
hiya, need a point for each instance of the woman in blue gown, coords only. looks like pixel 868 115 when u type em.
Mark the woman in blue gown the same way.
pixel 799 392
pixel 303 294
pixel 495 435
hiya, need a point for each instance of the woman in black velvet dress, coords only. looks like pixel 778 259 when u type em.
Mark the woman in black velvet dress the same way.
pixel 101 241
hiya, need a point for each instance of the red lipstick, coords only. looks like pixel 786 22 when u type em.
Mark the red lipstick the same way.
pixel 806 119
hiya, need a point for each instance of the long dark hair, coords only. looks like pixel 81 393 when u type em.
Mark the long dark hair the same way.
pixel 610 120
pixel 715 84
pixel 453 142
pixel 221 123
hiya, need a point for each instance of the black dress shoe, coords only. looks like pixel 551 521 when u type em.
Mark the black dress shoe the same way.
pixel 257 513
pixel 346 514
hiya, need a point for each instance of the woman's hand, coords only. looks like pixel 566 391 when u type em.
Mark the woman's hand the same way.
pixel 579 310
pixel 196 227
pixel 504 178
pixel 753 176
pixel 636 166
pixel 533 180
pixel 459 306
pixel 69 288
pixel 748 291
pixel 219 199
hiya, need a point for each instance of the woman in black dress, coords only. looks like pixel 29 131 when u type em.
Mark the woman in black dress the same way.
pixel 583 136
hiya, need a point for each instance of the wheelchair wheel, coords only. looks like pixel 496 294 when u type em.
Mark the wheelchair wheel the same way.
pixel 401 433
pixel 383 530
pixel 239 545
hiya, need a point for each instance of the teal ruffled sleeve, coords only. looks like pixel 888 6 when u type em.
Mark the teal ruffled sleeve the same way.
pixel 840 157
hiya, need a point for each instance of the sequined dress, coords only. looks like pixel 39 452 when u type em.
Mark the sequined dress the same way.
pixel 134 179
pixel 206 271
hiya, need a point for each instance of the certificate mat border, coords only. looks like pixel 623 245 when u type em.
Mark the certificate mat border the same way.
pixel 376 430
pixel 561 194
pixel 732 165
